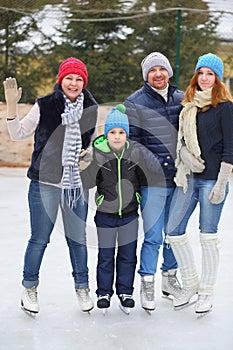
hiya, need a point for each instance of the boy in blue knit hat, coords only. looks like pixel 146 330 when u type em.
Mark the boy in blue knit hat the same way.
pixel 118 172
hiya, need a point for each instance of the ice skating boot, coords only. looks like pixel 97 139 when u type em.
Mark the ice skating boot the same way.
pixel 210 262
pixel 126 303
pixel 170 284
pixel 103 302
pixel 147 293
pixel 29 301
pixel 203 304
pixel 85 302
pixel 184 257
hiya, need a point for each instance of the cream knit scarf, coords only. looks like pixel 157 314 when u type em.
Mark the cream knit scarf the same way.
pixel 188 133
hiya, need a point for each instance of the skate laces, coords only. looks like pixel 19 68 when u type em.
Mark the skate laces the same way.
pixel 148 289
pixel 101 297
pixel 32 294
pixel 125 296
pixel 174 282
pixel 83 294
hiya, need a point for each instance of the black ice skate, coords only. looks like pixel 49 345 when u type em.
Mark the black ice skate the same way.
pixel 126 303
pixel 103 302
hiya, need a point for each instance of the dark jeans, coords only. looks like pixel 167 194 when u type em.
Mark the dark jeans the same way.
pixel 119 235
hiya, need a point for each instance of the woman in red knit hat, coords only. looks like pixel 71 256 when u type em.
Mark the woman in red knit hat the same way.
pixel 64 125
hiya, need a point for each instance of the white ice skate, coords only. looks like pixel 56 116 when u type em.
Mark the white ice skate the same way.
pixel 147 293
pixel 185 298
pixel 203 305
pixel 170 284
pixel 29 302
pixel 85 302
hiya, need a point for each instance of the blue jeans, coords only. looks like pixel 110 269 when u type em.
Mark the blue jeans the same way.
pixel 183 205
pixel 44 201
pixel 155 206
pixel 116 236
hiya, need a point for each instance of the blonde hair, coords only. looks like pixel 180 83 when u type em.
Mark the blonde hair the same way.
pixel 220 92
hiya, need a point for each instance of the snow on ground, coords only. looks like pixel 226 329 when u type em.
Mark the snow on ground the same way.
pixel 61 325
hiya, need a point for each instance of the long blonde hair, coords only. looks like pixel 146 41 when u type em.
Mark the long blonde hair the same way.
pixel 220 92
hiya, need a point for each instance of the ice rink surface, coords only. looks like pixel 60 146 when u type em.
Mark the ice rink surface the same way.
pixel 61 325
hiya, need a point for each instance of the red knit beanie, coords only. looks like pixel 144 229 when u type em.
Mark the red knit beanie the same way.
pixel 72 66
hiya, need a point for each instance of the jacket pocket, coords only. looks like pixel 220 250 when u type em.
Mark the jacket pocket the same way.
pixel 139 197
pixel 99 200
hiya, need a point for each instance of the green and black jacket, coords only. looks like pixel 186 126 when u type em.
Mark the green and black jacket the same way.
pixel 118 177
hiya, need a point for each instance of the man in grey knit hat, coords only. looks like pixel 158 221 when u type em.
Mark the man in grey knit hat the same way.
pixel 153 113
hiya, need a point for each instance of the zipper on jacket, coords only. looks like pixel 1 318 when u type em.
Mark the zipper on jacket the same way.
pixel 119 181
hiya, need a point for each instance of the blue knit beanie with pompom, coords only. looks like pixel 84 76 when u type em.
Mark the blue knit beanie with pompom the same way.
pixel 117 118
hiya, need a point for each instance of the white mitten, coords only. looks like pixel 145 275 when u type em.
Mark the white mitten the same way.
pixel 86 157
pixel 190 161
pixel 12 96
pixel 218 192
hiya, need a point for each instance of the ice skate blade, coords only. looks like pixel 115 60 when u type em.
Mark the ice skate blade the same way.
pixel 168 297
pixel 104 311
pixel 202 314
pixel 126 310
pixel 88 311
pixel 184 306
pixel 148 311
pixel 29 313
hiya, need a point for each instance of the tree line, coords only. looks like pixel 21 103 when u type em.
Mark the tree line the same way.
pixel 110 37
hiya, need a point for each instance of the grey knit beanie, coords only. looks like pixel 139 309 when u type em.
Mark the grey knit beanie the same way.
pixel 155 59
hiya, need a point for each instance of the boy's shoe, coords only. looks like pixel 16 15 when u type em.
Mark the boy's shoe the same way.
pixel 85 302
pixel 126 300
pixel 103 301
pixel 170 284
pixel 147 292
pixel 29 301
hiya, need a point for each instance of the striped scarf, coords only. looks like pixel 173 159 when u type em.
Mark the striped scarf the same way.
pixel 71 180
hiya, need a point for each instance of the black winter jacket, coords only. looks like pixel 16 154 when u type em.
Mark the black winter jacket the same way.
pixel 215 137
pixel 118 177
pixel 46 163
pixel 154 124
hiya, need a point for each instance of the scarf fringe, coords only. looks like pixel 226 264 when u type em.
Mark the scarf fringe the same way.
pixel 71 196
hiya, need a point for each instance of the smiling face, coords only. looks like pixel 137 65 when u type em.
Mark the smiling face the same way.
pixel 206 78
pixel 158 77
pixel 72 85
pixel 116 139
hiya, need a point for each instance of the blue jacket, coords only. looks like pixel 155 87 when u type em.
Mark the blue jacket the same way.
pixel 154 124
pixel 46 163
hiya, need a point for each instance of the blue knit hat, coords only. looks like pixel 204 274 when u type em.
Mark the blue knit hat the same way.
pixel 117 118
pixel 211 61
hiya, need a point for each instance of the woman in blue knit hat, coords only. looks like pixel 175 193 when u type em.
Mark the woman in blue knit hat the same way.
pixel 204 165
pixel 118 172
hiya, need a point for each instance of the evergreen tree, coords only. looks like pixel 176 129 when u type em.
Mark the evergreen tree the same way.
pixel 110 37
